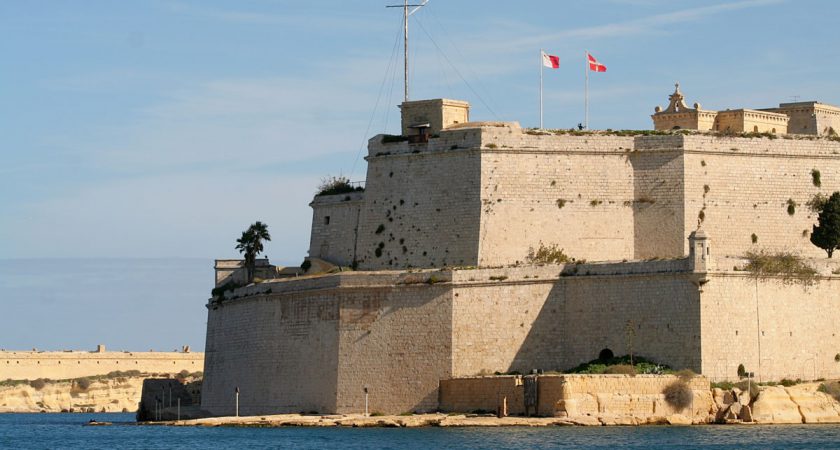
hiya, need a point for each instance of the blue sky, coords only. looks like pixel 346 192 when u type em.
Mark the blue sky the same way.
pixel 161 129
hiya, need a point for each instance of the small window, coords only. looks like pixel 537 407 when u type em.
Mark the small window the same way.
pixel 326 220
pixel 774 131
pixel 755 128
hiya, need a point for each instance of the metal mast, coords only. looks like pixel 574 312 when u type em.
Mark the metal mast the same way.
pixel 407 13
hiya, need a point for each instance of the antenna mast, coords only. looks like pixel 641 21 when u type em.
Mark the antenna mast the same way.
pixel 407 13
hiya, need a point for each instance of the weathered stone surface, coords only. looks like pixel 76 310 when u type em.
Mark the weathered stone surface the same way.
pixel 815 407
pixel 746 414
pixel 774 405
pixel 678 419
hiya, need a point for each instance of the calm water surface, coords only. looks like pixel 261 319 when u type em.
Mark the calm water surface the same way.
pixel 66 431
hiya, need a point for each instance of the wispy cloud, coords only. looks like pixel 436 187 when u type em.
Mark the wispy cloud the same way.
pixel 336 20
pixel 645 25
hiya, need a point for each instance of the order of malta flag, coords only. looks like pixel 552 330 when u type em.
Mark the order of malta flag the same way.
pixel 550 61
pixel 594 65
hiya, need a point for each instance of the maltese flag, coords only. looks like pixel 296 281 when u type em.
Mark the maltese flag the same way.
pixel 550 61
pixel 594 65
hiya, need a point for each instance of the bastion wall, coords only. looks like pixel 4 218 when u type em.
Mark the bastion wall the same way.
pixel 31 365
pixel 485 195
pixel 776 329
pixel 744 187
pixel 314 344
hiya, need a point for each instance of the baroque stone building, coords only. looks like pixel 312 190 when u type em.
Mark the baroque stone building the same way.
pixel 796 118
pixel 442 240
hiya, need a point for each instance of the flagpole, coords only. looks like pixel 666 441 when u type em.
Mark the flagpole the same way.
pixel 586 90
pixel 541 89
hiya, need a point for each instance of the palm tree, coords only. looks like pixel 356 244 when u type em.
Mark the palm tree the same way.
pixel 251 245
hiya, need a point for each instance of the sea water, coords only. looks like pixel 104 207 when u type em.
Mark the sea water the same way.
pixel 67 431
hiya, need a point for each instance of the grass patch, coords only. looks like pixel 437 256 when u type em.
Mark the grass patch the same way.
pixel 785 265
pixel 548 254
pixel 641 366
pixel 336 185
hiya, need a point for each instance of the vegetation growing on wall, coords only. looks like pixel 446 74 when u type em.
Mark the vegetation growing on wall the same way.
pixel 641 365
pixel 788 266
pixel 817 202
pixel 815 178
pixel 548 254
pixel 826 234
pixel 678 394
pixel 791 207
pixel 336 185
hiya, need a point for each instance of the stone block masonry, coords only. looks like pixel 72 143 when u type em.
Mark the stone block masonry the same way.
pixel 640 397
pixel 488 194
pixel 31 365
pixel 314 344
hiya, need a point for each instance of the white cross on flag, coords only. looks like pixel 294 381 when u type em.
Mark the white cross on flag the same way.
pixel 594 65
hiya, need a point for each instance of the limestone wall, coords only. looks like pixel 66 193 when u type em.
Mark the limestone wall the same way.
pixel 283 355
pixel 421 209
pixel 749 184
pixel 658 208
pixel 316 350
pixel 522 320
pixel 335 221
pixel 774 329
pixel 555 190
pixel 17 365
pixel 397 343
pixel 810 117
pixel 639 396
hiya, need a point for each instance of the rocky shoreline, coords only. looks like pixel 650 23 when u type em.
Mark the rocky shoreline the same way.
pixel 805 403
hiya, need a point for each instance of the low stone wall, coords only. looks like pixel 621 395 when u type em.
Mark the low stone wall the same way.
pixel 17 365
pixel 621 398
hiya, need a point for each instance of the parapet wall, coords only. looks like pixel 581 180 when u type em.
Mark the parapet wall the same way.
pixel 17 365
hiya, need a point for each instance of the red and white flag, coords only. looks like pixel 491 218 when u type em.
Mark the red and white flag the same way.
pixel 594 65
pixel 550 61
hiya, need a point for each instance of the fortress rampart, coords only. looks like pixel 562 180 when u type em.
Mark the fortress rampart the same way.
pixel 444 285
pixel 30 365
pixel 487 195
pixel 322 340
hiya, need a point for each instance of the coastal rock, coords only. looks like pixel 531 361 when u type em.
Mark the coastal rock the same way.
pixel 718 395
pixel 734 410
pixel 108 395
pixel 774 405
pixel 814 407
pixel 744 398
pixel 585 421
pixel 678 419
pixel 746 414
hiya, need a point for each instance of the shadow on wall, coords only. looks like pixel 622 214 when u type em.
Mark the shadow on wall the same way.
pixel 653 315
pixel 658 203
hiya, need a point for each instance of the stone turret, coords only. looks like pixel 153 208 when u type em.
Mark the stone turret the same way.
pixel 699 252
pixel 423 118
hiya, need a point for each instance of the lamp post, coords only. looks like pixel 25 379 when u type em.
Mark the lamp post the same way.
pixel 366 401
pixel 237 401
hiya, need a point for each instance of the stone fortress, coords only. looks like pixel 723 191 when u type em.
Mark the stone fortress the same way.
pixel 63 365
pixel 444 284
